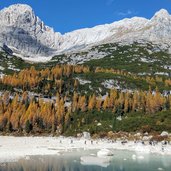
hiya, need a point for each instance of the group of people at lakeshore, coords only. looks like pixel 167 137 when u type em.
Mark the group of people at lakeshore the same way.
pixel 90 141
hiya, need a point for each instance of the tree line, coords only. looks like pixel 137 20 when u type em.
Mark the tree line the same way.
pixel 22 112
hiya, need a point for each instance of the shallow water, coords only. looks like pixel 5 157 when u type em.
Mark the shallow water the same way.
pixel 70 161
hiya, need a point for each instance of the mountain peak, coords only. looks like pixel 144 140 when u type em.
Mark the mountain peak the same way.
pixel 16 13
pixel 18 7
pixel 163 13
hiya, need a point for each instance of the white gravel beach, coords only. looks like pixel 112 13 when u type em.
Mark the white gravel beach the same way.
pixel 15 148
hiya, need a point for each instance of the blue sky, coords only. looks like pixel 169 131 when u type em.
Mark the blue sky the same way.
pixel 68 15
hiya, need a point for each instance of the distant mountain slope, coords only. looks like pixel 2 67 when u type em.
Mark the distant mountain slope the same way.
pixel 27 36
pixel 138 58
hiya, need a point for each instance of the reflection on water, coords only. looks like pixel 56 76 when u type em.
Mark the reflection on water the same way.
pixel 121 161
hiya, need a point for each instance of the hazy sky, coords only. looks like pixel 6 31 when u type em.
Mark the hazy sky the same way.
pixel 68 15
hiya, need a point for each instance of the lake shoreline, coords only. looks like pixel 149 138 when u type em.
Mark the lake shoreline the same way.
pixel 15 148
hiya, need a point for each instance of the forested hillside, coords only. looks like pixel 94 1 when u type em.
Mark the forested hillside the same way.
pixel 69 99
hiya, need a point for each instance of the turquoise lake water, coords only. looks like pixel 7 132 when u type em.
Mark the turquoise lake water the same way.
pixel 70 161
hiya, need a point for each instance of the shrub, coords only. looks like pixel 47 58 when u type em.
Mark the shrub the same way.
pixel 28 126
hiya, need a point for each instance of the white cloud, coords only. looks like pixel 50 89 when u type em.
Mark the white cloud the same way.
pixel 125 13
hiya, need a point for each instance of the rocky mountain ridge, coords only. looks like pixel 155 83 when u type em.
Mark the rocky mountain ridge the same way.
pixel 27 36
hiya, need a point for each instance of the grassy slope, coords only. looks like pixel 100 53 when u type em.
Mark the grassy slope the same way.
pixel 129 58
pixel 131 122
